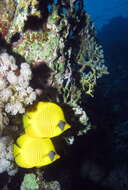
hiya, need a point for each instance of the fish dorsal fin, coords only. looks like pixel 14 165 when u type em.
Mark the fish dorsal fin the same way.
pixel 61 124
pixel 51 155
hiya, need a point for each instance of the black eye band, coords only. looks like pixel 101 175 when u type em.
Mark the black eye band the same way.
pixel 61 125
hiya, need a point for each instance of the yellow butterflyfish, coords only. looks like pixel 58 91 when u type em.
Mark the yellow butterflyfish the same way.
pixel 45 119
pixel 34 152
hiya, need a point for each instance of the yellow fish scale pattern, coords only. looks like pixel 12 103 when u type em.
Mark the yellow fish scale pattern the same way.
pixel 41 122
pixel 33 152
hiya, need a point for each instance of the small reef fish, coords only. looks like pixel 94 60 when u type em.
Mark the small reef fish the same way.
pixel 34 152
pixel 45 119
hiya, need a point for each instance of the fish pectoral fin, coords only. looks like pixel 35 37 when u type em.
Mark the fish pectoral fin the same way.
pixel 61 124
pixel 51 155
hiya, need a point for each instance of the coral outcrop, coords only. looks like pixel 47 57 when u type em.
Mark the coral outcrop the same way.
pixel 60 37
pixel 65 40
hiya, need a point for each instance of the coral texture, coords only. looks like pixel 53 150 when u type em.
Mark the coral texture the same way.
pixel 30 181
pixel 6 156
pixel 57 40
pixel 15 91
pixel 64 39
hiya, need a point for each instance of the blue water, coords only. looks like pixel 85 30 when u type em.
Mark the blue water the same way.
pixel 109 108
pixel 102 11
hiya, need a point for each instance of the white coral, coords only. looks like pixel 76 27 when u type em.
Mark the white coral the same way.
pixel 2 83
pixel 12 78
pixel 14 108
pixel 7 62
pixel 15 91
pixel 29 100
pixel 5 94
pixel 81 113
pixel 6 156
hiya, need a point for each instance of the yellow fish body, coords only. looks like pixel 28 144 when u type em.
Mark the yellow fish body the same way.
pixel 45 119
pixel 34 152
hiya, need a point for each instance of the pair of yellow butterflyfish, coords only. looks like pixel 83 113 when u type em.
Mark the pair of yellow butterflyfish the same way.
pixel 42 122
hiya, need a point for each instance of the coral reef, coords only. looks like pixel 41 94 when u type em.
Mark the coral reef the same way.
pixel 57 34
pixel 15 92
pixel 7 10
pixel 65 41
pixel 4 120
pixel 30 181
pixel 6 156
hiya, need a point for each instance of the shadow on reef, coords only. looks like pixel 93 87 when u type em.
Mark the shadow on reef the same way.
pixel 102 155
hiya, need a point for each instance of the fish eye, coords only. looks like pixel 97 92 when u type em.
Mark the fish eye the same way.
pixel 51 155
pixel 61 124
